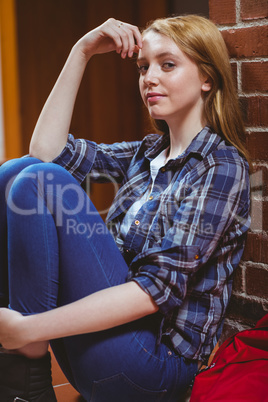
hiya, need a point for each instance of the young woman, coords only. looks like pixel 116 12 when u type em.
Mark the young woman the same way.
pixel 130 312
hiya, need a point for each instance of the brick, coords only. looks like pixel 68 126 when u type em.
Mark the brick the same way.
pixel 222 12
pixel 254 76
pixel 251 10
pixel 238 280
pixel 259 217
pixel 234 71
pixel 256 215
pixel 259 180
pixel 254 110
pixel 246 310
pixel 257 144
pixel 257 281
pixel 256 248
pixel 265 215
pixel 259 214
pixel 247 42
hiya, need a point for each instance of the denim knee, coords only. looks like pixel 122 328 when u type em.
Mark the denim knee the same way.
pixel 10 169
pixel 47 185
pixel 46 172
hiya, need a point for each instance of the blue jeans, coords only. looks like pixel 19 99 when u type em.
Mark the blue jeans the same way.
pixel 56 249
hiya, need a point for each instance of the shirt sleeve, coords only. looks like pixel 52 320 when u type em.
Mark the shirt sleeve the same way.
pixel 104 162
pixel 204 241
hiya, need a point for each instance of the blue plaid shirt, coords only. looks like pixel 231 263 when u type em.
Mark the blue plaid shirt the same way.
pixel 188 238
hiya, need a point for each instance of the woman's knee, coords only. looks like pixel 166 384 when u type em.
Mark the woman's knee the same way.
pixel 48 172
pixel 43 183
pixel 38 175
pixel 14 166
pixel 10 169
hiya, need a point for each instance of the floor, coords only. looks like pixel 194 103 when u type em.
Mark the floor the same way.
pixel 63 390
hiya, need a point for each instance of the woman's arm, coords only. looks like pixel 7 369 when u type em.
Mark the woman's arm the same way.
pixel 99 311
pixel 50 134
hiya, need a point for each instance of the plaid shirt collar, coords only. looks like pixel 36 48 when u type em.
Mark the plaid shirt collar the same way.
pixel 203 143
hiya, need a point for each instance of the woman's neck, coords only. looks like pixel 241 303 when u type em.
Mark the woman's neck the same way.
pixel 182 135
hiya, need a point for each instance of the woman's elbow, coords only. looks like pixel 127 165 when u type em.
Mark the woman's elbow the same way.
pixel 42 152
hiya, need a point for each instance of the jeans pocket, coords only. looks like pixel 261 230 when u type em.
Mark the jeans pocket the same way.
pixel 119 388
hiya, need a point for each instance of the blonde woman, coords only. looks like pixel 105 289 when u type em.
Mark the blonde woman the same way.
pixel 130 312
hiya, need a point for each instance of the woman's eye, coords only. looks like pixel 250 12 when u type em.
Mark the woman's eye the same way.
pixel 168 66
pixel 142 69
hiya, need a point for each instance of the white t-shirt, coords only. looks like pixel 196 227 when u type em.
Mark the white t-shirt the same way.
pixel 155 165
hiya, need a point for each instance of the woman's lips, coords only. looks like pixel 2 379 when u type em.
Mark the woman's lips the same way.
pixel 154 96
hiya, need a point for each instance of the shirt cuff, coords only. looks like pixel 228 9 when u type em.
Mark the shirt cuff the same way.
pixel 166 279
pixel 147 285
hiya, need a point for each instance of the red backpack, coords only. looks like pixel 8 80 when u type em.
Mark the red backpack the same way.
pixel 239 370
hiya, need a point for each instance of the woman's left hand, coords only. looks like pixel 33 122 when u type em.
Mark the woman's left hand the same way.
pixel 11 325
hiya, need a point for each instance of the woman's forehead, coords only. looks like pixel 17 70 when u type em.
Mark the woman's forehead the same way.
pixel 157 44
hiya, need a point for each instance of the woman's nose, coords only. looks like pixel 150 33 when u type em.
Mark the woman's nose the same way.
pixel 151 77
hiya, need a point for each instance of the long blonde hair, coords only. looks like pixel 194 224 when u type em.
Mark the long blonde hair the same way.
pixel 200 40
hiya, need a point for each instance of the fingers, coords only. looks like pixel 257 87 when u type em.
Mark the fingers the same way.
pixel 127 37
pixel 112 35
pixel 130 37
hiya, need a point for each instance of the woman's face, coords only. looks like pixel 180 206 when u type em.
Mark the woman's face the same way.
pixel 170 83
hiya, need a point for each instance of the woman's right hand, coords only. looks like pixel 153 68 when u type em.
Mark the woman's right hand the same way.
pixel 112 35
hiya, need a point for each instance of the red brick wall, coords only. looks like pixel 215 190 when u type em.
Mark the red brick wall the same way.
pixel 243 24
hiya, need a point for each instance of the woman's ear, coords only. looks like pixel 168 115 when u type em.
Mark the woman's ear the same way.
pixel 207 84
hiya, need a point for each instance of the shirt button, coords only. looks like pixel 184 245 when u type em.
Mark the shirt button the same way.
pixel 137 223
pixel 151 197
